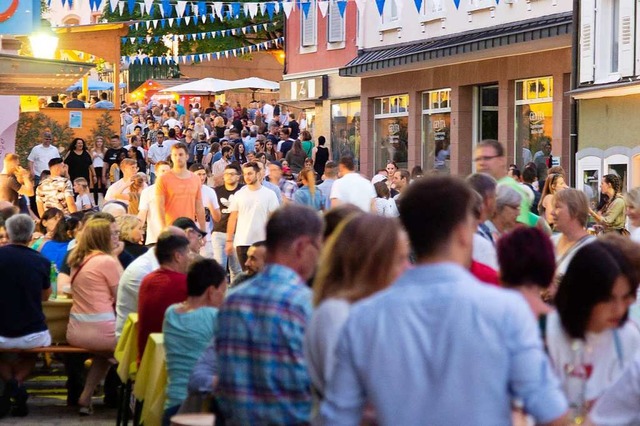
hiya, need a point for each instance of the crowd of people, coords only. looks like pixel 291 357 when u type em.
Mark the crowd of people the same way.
pixel 293 294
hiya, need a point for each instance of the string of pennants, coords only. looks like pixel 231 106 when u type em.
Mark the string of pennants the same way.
pixel 211 10
pixel 200 35
pixel 201 57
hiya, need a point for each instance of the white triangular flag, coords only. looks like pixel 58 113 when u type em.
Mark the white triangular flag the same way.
pixel 208 56
pixel 265 25
pixel 121 7
pixel 263 8
pixel 217 7
pixel 148 39
pixel 141 9
pixel 255 28
pixel 195 9
pixel 148 24
pixel 323 6
pixel 133 40
pixel 187 20
pixel 155 23
pixel 137 25
pixel 114 4
pixel 244 30
pixel 148 4
pixel 180 6
pixel 204 17
pixel 253 10
pixel 276 7
pixel 181 37
pixel 246 9
pixel 170 21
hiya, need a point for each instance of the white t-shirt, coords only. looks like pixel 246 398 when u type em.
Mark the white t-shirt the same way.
pixel 172 122
pixel 41 156
pixel 83 200
pixel 353 188
pixel 267 113
pixel 148 204
pixel 620 404
pixel 601 352
pixel 254 208
pixel 386 207
pixel 209 198
pixel 119 187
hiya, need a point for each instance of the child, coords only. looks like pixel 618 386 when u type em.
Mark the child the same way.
pixel 83 199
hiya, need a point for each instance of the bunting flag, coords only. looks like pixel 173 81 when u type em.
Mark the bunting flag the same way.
pixel 249 29
pixel 200 57
pixel 418 4
pixel 305 8
pixel 342 6
pixel 131 4
pixel 287 7
pixel 380 5
pixel 323 7
pixel 113 4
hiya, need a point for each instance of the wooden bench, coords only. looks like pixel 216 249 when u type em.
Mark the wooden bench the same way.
pixel 55 349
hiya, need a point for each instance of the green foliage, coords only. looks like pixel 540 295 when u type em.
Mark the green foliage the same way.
pixel 105 127
pixel 154 48
pixel 31 125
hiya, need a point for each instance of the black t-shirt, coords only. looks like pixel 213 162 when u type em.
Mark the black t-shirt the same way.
pixel 25 273
pixel 224 198
pixel 78 165
pixel 295 129
pixel 286 146
pixel 112 155
pixel 199 150
pixel 9 187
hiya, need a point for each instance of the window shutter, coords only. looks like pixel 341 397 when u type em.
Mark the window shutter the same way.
pixel 309 25
pixel 336 23
pixel 587 33
pixel 626 50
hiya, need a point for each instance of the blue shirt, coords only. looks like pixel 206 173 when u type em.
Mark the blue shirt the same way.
pixel 274 188
pixel 263 377
pixel 325 187
pixel 186 336
pixel 440 348
pixel 303 196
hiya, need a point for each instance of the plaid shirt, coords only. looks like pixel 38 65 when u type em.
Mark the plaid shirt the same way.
pixel 288 188
pixel 262 372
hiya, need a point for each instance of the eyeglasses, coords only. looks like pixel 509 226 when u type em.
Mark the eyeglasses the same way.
pixel 485 158
pixel 115 234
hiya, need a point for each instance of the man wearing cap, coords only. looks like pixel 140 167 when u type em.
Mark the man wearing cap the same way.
pixel 56 191
pixel 40 155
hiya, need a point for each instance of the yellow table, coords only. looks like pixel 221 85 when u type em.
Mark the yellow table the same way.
pixel 126 352
pixel 151 381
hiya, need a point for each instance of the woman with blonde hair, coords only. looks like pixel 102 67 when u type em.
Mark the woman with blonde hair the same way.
pixel 95 274
pixel 345 276
pixel 633 212
pixel 138 183
pixel 552 185
pixel 219 127
pixel 308 194
pixel 131 234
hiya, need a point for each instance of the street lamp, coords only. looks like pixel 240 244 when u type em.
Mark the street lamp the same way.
pixel 44 42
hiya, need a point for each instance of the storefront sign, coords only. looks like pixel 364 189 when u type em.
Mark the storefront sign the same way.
pixel 19 17
pixel 305 89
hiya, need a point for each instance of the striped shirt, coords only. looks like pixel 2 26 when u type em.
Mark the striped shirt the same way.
pixel 263 377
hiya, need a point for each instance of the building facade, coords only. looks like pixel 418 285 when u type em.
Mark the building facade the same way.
pixel 608 93
pixel 320 38
pixel 437 79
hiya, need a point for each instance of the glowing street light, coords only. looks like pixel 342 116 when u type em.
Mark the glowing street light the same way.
pixel 44 42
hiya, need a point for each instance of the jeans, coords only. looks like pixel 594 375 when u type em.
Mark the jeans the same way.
pixel 218 240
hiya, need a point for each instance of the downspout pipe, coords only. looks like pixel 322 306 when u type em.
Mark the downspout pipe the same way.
pixel 573 136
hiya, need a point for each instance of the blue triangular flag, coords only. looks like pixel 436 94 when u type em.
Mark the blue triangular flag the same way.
pixel 163 22
pixel 156 38
pixel 64 2
pixel 166 7
pixel 187 10
pixel 151 10
pixel 380 5
pixel 457 3
pixel 305 8
pixel 91 4
pixel 271 8
pixel 298 3
pixel 98 4
pixel 235 9
pixel 418 5
pixel 202 8
pixel 342 6
pixel 130 5
pixel 140 40
pixel 178 21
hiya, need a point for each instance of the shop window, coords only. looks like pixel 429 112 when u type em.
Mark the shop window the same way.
pixel 308 25
pixel 488 123
pixel 618 164
pixel 534 123
pixel 436 125
pixel 390 12
pixel 345 130
pixel 391 131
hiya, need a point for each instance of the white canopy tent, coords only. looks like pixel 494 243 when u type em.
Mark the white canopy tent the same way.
pixel 206 86
pixel 254 83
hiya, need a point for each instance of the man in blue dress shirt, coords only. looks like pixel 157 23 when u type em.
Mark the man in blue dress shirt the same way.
pixel 438 347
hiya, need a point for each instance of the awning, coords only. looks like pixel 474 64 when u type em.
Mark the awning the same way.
pixel 609 90
pixel 370 60
pixel 21 75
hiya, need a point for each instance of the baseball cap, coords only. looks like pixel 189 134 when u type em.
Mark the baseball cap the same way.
pixel 277 163
pixel 185 223
pixel 378 178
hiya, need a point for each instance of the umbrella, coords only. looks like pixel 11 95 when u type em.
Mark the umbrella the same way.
pixel 205 86
pixel 93 85
pixel 254 83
